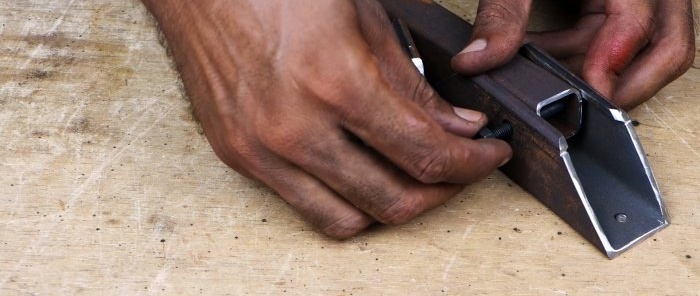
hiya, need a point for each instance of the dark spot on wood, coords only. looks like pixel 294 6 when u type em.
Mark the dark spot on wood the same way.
pixel 162 223
pixel 39 74
pixel 264 220
pixel 518 230
pixel 40 134
pixel 635 123
pixel 79 125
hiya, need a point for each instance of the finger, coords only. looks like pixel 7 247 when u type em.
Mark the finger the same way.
pixel 313 200
pixel 317 203
pixel 403 77
pixel 625 32
pixel 669 55
pixel 223 147
pixel 405 134
pixel 499 29
pixel 365 179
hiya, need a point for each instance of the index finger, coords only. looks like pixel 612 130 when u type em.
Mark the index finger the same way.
pixel 625 32
pixel 406 135
pixel 669 54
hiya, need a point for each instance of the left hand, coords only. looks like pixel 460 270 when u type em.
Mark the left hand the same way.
pixel 317 100
pixel 626 49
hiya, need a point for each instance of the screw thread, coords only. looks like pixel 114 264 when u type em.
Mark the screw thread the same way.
pixel 503 131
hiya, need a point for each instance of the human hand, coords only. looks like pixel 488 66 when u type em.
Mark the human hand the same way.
pixel 626 49
pixel 317 100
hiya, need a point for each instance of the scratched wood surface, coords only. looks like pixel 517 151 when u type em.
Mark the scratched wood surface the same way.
pixel 108 187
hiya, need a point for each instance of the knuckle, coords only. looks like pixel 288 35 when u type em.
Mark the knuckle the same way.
pixel 686 57
pixel 496 11
pixel 281 133
pixel 240 155
pixel 287 144
pixel 431 168
pixel 498 14
pixel 424 94
pixel 277 138
pixel 345 227
pixel 401 211
pixel 646 23
pixel 335 81
pixel 504 26
pixel 304 147
pixel 232 147
pixel 687 52
pixel 680 58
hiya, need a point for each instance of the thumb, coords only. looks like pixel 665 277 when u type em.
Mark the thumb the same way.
pixel 403 77
pixel 499 30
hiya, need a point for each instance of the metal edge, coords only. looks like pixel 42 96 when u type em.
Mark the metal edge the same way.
pixel 566 158
pixel 559 96
pixel 623 117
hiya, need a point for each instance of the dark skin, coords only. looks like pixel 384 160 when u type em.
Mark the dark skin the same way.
pixel 317 100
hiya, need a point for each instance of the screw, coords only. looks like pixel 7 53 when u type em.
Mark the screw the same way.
pixel 501 131
pixel 621 217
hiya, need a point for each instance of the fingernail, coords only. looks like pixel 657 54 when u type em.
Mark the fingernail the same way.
pixel 470 115
pixel 504 162
pixel 476 45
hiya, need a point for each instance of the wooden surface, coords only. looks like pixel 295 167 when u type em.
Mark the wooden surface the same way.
pixel 108 187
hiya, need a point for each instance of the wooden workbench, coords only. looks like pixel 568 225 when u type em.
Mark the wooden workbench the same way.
pixel 107 186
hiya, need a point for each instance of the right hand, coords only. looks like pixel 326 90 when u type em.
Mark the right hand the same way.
pixel 317 100
pixel 627 50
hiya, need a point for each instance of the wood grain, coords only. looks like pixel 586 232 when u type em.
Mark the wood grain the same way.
pixel 108 187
